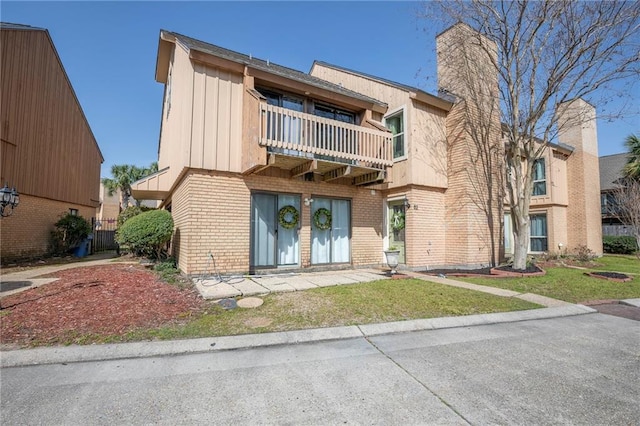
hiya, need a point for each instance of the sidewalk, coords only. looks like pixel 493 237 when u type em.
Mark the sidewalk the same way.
pixel 248 285
pixel 16 282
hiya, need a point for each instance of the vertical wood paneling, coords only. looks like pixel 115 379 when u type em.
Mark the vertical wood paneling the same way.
pixel 56 155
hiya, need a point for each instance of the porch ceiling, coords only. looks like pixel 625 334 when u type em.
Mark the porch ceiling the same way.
pixel 327 170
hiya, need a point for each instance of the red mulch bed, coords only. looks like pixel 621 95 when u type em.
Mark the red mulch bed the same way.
pixel 104 300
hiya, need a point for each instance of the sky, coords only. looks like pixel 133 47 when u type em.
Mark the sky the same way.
pixel 108 50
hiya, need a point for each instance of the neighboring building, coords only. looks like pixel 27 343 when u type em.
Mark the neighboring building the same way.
pixel 266 167
pixel 110 207
pixel 48 150
pixel 610 174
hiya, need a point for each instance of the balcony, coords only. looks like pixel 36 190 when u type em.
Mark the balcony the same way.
pixel 307 143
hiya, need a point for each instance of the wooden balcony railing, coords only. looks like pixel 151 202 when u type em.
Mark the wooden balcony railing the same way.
pixel 297 133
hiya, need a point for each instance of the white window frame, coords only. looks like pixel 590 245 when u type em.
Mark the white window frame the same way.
pixel 401 109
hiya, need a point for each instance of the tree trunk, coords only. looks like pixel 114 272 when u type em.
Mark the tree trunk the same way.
pixel 521 245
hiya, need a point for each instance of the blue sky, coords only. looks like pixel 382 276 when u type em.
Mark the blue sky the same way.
pixel 109 52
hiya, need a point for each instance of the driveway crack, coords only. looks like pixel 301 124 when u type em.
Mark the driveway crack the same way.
pixel 424 385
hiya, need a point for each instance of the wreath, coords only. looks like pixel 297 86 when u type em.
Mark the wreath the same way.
pixel 397 221
pixel 288 217
pixel 318 219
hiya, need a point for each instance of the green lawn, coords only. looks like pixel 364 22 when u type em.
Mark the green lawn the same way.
pixel 567 284
pixel 619 263
pixel 378 301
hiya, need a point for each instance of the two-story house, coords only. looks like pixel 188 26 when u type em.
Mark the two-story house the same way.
pixel 49 152
pixel 264 167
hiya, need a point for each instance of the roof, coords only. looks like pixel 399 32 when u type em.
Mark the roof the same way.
pixel 611 170
pixel 391 83
pixel 267 66
pixel 12 26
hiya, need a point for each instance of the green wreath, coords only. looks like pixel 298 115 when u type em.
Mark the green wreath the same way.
pixel 288 217
pixel 317 219
pixel 397 221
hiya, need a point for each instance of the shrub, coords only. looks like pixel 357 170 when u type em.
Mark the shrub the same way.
pixel 147 233
pixel 622 244
pixel 167 270
pixel 584 253
pixel 130 212
pixel 69 232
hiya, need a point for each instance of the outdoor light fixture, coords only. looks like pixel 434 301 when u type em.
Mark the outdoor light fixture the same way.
pixel 8 198
pixel 405 203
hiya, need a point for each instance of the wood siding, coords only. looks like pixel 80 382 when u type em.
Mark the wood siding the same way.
pixel 48 149
pixel 202 118
pixel 424 136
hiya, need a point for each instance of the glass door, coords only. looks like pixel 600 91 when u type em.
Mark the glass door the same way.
pixel 396 215
pixel 330 231
pixel 275 220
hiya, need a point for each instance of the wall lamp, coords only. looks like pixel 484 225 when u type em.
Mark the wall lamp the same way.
pixel 308 201
pixel 8 198
pixel 405 203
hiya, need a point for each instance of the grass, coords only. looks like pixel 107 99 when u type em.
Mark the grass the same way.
pixel 619 263
pixel 373 302
pixel 570 285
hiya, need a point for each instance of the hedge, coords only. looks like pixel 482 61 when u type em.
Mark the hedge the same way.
pixel 623 244
pixel 147 233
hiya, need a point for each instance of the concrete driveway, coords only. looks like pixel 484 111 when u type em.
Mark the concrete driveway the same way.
pixel 581 369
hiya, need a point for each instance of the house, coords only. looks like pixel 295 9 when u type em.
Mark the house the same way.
pixel 110 205
pixel 610 174
pixel 265 167
pixel 49 152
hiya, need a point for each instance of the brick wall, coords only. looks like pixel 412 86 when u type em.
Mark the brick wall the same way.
pixel 26 233
pixel 212 213
pixel 578 129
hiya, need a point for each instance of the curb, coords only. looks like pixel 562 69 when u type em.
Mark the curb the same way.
pixel 117 351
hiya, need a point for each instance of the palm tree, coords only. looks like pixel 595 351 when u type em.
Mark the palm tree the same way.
pixel 632 168
pixel 123 176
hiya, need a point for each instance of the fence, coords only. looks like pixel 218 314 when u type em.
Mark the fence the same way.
pixel 104 236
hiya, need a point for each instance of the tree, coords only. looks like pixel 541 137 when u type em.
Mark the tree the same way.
pixel 546 54
pixel 123 176
pixel 627 207
pixel 632 168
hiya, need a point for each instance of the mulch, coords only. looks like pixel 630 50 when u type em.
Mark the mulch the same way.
pixel 105 300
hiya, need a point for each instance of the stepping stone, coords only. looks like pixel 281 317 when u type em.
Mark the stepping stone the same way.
pixel 250 302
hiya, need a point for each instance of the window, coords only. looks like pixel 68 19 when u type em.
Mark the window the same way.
pixel 608 204
pixel 539 178
pixel 508 234
pixel 395 123
pixel 538 240
pixel 73 212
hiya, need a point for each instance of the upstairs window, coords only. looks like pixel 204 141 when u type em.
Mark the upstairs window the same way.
pixel 395 123
pixel 539 178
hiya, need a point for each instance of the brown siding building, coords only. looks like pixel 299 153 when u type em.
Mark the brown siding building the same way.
pixel 49 153
pixel 264 167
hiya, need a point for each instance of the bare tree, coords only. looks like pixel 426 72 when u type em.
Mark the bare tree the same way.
pixel 627 207
pixel 546 54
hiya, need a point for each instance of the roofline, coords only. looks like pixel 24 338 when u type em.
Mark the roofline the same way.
pixel 430 99
pixel 19 27
pixel 626 154
pixel 176 36
pixel 66 76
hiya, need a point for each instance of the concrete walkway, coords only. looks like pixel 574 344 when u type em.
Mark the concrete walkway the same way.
pixel 15 282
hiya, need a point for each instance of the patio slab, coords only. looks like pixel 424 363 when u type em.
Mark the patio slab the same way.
pixel 214 289
pixel 249 287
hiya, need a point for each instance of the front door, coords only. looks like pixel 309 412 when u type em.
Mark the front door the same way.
pixel 396 228
pixel 330 231
pixel 275 221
